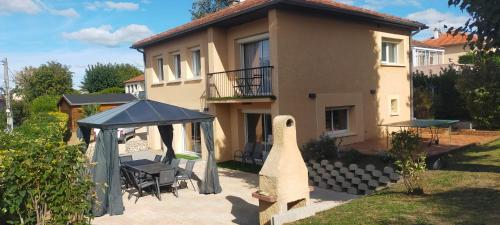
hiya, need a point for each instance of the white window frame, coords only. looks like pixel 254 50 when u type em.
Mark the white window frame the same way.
pixel 196 70
pixel 396 56
pixel 394 97
pixel 177 66
pixel 160 72
pixel 339 132
pixel 243 41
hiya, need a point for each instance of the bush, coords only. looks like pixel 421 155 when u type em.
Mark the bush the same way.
pixel 112 90
pixel 410 159
pixel 325 147
pixel 52 126
pixel 89 110
pixel 43 182
pixel 46 103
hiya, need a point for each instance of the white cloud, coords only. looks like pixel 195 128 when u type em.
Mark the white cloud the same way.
pixel 33 7
pixel 77 60
pixel 436 19
pixel 19 6
pixel 104 35
pixel 379 4
pixel 110 5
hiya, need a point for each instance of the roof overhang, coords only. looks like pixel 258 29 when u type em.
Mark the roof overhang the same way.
pixel 286 3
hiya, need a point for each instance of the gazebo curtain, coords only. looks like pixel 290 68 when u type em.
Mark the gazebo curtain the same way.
pixel 211 183
pixel 106 175
pixel 167 136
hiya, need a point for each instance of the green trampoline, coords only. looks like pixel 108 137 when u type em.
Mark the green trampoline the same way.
pixel 418 124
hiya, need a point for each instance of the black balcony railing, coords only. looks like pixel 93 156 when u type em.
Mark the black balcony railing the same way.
pixel 243 83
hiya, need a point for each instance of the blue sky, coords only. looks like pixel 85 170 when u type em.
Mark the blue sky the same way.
pixel 79 32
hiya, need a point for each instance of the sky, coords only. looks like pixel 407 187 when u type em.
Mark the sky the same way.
pixel 79 32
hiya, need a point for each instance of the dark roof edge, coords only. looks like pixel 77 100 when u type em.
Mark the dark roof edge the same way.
pixel 408 25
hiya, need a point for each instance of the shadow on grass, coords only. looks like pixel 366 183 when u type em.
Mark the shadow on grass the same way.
pixel 474 159
pixel 468 205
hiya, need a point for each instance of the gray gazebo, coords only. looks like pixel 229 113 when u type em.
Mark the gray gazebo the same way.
pixel 106 172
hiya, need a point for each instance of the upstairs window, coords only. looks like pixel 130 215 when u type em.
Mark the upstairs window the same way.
pixel 390 51
pixel 159 69
pixel 196 63
pixel 177 66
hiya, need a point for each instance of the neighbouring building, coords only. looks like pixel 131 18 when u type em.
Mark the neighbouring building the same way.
pixel 339 70
pixel 72 104
pixel 428 59
pixel 454 45
pixel 135 86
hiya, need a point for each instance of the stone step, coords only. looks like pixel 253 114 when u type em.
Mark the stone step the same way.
pixel 352 190
pixel 316 165
pixel 338 164
pixel 388 170
pixel 349 175
pixel 346 184
pixel 340 179
pixel 362 187
pixel 384 180
pixel 369 167
pixel 329 167
pixel 331 182
pixel 324 162
pixel 317 179
pixel 322 185
pixel 373 183
pixel 356 180
pixel 326 176
pixel 321 170
pixel 337 188
pixel 359 172
pixel 394 176
pixel 353 167
pixel 375 173
pixel 335 173
pixel 343 170
pixel 366 177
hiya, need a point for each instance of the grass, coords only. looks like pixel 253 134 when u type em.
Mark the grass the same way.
pixel 466 191
pixel 187 157
pixel 234 165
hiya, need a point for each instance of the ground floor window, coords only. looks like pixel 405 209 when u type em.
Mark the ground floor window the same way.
pixel 337 120
pixel 192 137
pixel 259 129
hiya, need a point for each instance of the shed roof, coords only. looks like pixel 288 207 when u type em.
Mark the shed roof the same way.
pixel 250 6
pixel 89 99
pixel 143 113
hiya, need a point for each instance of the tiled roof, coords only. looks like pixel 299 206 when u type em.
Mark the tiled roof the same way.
pixel 415 43
pixel 253 5
pixel 446 39
pixel 135 79
pixel 89 99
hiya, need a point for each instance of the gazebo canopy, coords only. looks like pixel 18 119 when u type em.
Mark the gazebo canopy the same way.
pixel 106 172
pixel 143 113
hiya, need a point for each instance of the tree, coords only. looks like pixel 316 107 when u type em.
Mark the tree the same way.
pixel 112 90
pixel 202 8
pixel 484 23
pixel 480 87
pixel 102 76
pixel 46 103
pixel 22 79
pixel 51 78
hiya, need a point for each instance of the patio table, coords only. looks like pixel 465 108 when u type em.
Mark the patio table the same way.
pixel 149 167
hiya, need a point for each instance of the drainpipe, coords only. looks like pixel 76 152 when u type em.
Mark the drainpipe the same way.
pixel 412 114
pixel 144 71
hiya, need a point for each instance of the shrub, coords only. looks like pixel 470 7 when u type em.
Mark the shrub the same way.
pixel 89 110
pixel 325 147
pixel 410 159
pixel 112 90
pixel 43 182
pixel 46 103
pixel 52 126
pixel 351 156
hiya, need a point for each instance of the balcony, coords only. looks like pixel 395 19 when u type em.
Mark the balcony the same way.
pixel 247 83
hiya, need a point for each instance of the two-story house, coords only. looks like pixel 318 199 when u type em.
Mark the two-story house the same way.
pixel 135 86
pixel 428 59
pixel 339 70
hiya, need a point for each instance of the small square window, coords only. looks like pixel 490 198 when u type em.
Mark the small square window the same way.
pixel 394 106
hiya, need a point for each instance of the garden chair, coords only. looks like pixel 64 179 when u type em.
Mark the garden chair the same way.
pixel 167 178
pixel 257 155
pixel 157 158
pixel 125 158
pixel 246 155
pixel 138 183
pixel 187 173
pixel 175 163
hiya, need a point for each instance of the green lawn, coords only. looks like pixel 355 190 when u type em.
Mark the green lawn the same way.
pixel 467 191
pixel 188 157
pixel 234 165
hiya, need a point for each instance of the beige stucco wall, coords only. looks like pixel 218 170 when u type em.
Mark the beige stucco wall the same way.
pixel 337 60
pixel 453 52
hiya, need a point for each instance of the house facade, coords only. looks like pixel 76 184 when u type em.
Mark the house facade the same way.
pixel 338 69
pixel 135 86
pixel 454 45
pixel 428 59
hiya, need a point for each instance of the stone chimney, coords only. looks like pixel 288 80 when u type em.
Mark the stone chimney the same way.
pixel 437 33
pixel 283 181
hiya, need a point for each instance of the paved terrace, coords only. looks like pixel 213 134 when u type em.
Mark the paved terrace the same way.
pixel 233 206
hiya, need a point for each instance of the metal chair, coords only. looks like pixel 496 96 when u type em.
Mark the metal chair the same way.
pixel 125 158
pixel 167 178
pixel 158 158
pixel 187 173
pixel 175 163
pixel 137 183
pixel 246 154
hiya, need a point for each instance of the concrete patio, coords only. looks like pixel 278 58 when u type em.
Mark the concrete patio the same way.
pixel 233 206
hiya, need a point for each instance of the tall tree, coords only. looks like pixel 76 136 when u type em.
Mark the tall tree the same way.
pixel 51 78
pixel 103 76
pixel 484 23
pixel 201 8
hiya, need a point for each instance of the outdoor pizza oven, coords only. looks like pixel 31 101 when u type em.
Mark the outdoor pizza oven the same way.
pixel 283 181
